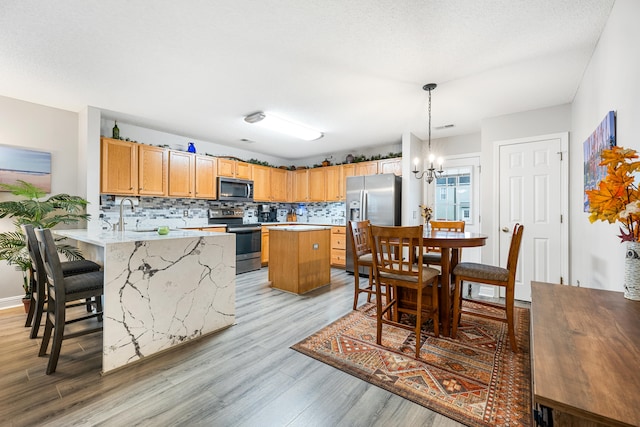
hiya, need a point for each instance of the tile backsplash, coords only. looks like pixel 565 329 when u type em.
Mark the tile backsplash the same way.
pixel 151 212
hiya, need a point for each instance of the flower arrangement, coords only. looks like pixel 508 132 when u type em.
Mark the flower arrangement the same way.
pixel 426 213
pixel 617 198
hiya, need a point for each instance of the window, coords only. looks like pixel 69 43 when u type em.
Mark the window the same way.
pixel 453 195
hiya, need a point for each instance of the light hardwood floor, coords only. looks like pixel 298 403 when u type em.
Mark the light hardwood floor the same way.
pixel 245 375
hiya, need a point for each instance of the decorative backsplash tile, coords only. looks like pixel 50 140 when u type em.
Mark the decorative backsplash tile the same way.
pixel 151 212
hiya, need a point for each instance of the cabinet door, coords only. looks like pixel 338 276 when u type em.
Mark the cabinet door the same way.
pixel 181 174
pixel 226 167
pixel 205 177
pixel 367 168
pixel 300 186
pixel 243 170
pixel 261 183
pixel 335 183
pixel 390 166
pixel 279 185
pixel 348 170
pixel 152 171
pixel 119 165
pixel 317 185
pixel 264 256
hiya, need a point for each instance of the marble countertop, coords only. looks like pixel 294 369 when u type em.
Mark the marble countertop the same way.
pixel 104 237
pixel 301 228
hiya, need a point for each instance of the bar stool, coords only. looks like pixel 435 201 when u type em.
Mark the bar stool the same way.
pixel 38 292
pixel 61 289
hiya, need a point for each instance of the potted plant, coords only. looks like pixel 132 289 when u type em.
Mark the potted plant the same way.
pixel 47 213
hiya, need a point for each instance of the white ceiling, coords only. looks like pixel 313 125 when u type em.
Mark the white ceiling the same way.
pixel 353 69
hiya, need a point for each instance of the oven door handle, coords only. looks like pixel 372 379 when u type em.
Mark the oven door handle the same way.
pixel 243 229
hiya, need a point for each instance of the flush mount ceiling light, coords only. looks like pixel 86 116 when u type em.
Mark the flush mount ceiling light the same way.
pixel 278 124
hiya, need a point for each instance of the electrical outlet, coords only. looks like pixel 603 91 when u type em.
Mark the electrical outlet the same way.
pixel 185 213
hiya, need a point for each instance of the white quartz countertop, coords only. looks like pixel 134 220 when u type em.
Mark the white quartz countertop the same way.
pixel 301 228
pixel 104 237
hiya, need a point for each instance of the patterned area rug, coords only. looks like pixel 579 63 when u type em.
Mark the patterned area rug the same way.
pixel 475 379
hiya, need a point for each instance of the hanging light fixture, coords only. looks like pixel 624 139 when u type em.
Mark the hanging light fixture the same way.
pixel 431 173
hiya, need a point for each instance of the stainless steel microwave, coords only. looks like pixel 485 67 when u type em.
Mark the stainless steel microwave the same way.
pixel 235 190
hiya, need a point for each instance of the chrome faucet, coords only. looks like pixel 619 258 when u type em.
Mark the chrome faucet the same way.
pixel 121 221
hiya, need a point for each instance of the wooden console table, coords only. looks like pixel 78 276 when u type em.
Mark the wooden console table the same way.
pixel 585 356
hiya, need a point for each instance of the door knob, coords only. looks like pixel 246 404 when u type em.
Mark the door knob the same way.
pixel 505 229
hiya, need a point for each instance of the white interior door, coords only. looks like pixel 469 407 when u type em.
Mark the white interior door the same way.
pixel 531 191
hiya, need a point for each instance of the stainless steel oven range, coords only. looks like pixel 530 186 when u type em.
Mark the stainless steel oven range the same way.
pixel 248 237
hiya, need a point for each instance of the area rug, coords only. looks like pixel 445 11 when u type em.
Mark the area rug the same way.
pixel 475 379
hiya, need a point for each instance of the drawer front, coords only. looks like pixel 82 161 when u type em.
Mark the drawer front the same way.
pixel 338 241
pixel 339 230
pixel 338 257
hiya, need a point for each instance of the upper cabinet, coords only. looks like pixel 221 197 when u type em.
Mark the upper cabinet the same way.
pixel 182 167
pixel 233 168
pixel 367 168
pixel 393 165
pixel 300 185
pixel 152 171
pixel 133 169
pixel 280 185
pixel 205 179
pixel 261 183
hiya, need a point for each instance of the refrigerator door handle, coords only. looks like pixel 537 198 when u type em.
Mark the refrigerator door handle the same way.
pixel 361 200
pixel 365 205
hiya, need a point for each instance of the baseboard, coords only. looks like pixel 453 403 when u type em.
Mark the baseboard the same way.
pixel 10 302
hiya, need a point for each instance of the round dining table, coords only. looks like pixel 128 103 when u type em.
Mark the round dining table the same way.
pixel 450 244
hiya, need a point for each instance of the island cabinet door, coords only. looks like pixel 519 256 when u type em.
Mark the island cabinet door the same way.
pixel 181 174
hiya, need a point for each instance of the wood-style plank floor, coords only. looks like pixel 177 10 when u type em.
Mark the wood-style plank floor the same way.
pixel 245 375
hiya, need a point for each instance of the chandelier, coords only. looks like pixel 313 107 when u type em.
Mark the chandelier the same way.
pixel 431 173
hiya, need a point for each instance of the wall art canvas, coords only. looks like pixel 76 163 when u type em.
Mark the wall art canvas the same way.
pixel 602 138
pixel 27 165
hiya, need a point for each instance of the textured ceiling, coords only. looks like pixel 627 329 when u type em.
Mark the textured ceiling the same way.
pixel 353 69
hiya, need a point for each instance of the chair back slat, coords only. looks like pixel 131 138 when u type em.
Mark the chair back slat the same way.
pixel 395 251
pixel 37 267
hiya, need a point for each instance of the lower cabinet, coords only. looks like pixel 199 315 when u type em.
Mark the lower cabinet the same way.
pixel 264 258
pixel 338 246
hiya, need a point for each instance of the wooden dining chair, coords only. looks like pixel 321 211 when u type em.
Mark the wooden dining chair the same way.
pixel 38 280
pixel 362 257
pixel 396 265
pixel 61 289
pixel 490 275
pixel 433 255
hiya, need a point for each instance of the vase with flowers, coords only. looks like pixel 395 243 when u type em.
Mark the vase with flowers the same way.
pixel 426 213
pixel 617 199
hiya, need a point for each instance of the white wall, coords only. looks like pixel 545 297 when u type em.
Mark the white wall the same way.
pixel 519 125
pixel 33 126
pixel 611 82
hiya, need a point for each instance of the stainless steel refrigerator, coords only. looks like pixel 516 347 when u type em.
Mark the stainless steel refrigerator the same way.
pixel 376 198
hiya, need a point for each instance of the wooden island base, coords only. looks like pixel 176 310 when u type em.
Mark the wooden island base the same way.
pixel 299 258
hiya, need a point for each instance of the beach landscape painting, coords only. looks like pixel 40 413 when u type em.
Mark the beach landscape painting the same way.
pixel 31 166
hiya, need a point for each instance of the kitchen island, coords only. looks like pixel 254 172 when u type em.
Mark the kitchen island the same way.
pixel 160 290
pixel 300 258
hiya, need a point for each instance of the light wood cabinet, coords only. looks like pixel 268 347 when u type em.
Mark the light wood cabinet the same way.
pixel 338 246
pixel 264 255
pixel 337 181
pixel 133 169
pixel 279 185
pixel 300 185
pixel 317 179
pixel 393 165
pixel 205 177
pixel 233 168
pixel 214 229
pixel 367 168
pixel 152 171
pixel 119 167
pixel 181 174
pixel 261 176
